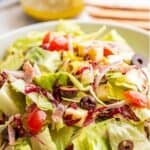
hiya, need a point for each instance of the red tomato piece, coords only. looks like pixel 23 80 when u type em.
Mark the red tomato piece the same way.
pixel 35 120
pixel 107 52
pixel 59 43
pixel 46 38
pixel 136 99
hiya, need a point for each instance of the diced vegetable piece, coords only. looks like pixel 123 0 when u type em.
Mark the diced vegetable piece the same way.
pixel 107 52
pixel 36 120
pixel 136 99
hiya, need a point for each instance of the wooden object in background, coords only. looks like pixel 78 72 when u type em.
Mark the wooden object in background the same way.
pixel 138 16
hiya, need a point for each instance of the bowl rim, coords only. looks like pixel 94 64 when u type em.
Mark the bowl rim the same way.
pixel 109 23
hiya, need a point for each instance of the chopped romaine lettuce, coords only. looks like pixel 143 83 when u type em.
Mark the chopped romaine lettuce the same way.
pixel 114 89
pixel 92 137
pixel 41 101
pixel 62 137
pixel 119 131
pixel 43 141
pixel 46 81
pixel 11 101
pixel 12 62
pixel 120 80
pixel 23 44
pixel 46 59
pixel 37 98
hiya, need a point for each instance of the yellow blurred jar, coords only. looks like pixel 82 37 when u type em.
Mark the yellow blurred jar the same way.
pixel 52 9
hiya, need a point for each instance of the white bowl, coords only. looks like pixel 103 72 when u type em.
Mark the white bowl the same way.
pixel 137 38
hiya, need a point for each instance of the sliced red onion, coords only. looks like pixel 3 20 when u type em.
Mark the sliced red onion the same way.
pixel 3 78
pixel 80 71
pixel 147 84
pixel 70 46
pixel 57 115
pixel 11 135
pixel 110 112
pixel 89 118
pixel 28 71
pixel 116 105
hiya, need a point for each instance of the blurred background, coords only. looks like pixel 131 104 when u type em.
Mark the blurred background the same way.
pixel 19 13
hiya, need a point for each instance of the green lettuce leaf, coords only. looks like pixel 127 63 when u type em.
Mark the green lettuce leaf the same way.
pixel 47 60
pixel 46 81
pixel 17 60
pixel 11 101
pixel 117 84
pixel 120 80
pixel 121 130
pixel 25 43
pixel 74 81
pixel 62 137
pixel 92 137
pixel 43 141
pixel 113 35
pixel 22 144
pixel 142 114
pixel 41 101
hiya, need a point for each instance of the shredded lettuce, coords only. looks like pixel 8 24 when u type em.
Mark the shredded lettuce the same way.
pixel 69 28
pixel 113 35
pixel 91 36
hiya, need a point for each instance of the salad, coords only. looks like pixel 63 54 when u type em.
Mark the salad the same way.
pixel 71 90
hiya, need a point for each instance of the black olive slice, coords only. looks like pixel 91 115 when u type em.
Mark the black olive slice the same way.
pixel 126 145
pixel 87 102
pixel 139 61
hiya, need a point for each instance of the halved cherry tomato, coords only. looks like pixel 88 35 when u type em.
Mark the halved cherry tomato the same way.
pixel 35 120
pixel 107 52
pixel 136 99
pixel 59 43
pixel 46 38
